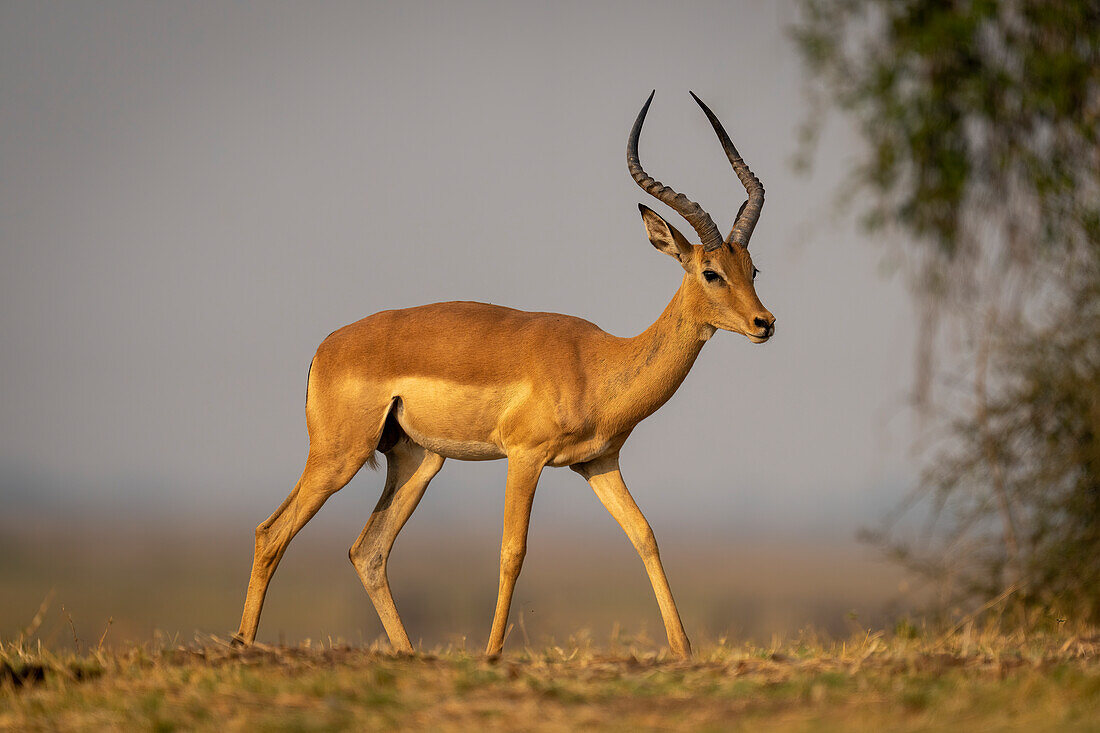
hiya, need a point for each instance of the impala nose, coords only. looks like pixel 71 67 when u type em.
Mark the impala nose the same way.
pixel 767 324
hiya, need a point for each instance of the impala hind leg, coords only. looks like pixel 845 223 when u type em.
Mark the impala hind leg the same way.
pixel 324 475
pixel 409 469
pixel 519 494
pixel 605 479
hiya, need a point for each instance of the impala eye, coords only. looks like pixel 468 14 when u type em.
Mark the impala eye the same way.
pixel 712 276
pixel 755 272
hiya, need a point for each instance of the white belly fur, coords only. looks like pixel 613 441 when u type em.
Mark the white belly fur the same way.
pixel 437 393
pixel 462 450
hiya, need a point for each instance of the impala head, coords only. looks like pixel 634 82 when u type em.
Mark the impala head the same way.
pixel 720 273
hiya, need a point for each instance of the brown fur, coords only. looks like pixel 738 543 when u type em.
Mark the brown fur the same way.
pixel 474 382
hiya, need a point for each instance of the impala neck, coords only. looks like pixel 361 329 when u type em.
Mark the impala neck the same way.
pixel 655 362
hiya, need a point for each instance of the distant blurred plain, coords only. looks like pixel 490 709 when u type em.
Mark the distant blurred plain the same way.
pixel 135 581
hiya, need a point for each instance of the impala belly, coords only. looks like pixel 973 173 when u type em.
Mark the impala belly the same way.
pixel 454 420
pixel 457 448
pixel 580 451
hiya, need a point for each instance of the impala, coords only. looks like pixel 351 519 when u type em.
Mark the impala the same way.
pixel 476 382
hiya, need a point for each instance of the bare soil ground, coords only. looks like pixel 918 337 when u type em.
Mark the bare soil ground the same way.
pixel 908 680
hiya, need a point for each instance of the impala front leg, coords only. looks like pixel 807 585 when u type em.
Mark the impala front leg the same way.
pixel 523 477
pixel 604 478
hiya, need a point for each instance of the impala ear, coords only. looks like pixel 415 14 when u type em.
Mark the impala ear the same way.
pixel 664 236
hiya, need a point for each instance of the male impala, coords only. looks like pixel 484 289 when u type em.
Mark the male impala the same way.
pixel 476 382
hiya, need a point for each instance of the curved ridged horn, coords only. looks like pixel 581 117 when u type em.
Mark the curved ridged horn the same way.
pixel 700 220
pixel 750 210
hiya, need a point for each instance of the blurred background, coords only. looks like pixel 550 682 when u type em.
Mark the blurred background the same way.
pixel 195 195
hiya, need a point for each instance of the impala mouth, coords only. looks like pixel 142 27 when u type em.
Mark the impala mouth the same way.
pixel 760 339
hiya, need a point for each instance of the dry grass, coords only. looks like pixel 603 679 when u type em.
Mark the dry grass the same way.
pixel 88 674
pixel 909 679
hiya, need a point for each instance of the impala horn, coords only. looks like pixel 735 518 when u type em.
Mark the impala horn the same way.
pixel 750 210
pixel 699 219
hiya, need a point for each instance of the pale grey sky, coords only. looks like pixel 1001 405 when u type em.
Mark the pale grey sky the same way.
pixel 195 194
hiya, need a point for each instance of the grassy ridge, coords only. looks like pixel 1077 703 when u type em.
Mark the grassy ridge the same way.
pixel 903 681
